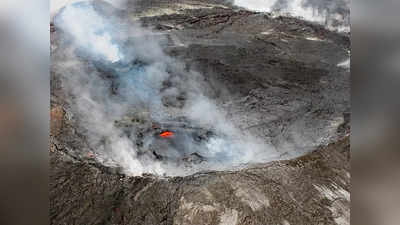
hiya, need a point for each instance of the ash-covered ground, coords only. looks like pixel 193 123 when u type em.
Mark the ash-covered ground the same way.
pixel 148 90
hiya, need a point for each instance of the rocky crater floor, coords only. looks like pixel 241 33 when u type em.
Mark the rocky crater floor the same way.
pixel 282 81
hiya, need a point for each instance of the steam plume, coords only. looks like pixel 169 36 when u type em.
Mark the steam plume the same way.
pixel 136 69
pixel 335 15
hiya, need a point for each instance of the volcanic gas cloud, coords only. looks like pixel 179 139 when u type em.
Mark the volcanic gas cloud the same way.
pixel 118 82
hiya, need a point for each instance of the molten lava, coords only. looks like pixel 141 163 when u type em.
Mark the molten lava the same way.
pixel 167 134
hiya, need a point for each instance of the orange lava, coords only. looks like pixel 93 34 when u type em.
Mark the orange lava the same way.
pixel 167 134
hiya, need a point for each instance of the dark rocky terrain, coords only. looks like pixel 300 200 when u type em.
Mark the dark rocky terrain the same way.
pixel 278 79
pixel 313 189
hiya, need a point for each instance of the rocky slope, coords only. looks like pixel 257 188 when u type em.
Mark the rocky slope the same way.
pixel 313 189
pixel 281 80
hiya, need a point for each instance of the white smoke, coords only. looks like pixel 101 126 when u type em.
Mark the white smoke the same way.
pixel 89 31
pixel 104 39
pixel 333 14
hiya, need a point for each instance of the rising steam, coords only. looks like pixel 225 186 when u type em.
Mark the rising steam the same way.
pixel 136 69
pixel 335 15
pixel 90 32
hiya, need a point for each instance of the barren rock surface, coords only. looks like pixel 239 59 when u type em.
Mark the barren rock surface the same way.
pixel 313 189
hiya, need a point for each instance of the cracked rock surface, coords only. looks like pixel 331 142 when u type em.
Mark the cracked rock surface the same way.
pixel 312 189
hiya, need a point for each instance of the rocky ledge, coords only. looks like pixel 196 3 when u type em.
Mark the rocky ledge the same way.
pixel 312 189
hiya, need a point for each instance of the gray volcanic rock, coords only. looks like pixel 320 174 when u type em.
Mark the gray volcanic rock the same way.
pixel 313 189
pixel 279 79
